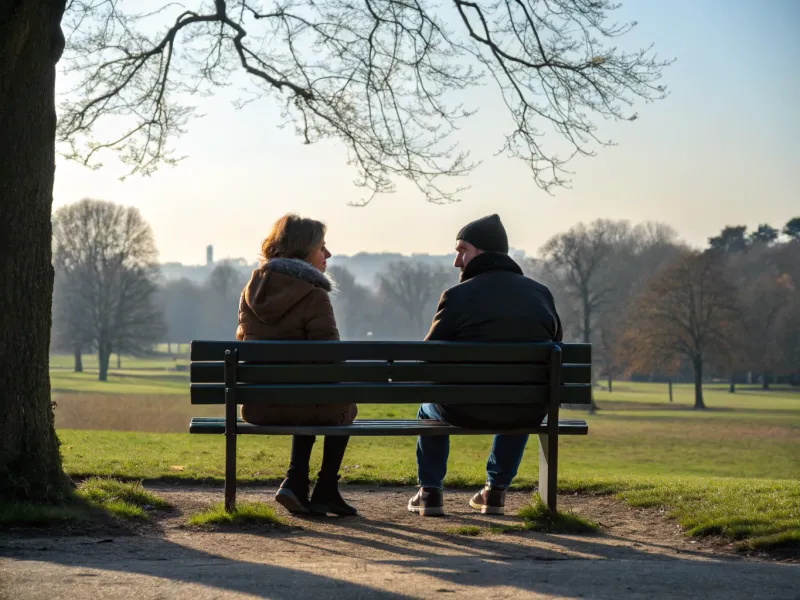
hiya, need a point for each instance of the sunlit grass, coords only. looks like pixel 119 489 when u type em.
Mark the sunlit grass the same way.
pixel 715 396
pixel 124 500
pixel 155 362
pixel 613 447
pixel 759 513
pixel 728 471
pixel 537 517
pixel 121 382
pixel 118 499
pixel 251 513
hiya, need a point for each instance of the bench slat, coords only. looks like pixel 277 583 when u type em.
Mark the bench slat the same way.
pixel 448 352
pixel 216 425
pixel 376 372
pixel 388 393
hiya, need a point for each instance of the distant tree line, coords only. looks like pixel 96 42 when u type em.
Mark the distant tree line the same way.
pixel 106 282
pixel 652 307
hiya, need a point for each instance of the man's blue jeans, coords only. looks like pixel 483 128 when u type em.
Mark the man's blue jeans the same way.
pixel 433 451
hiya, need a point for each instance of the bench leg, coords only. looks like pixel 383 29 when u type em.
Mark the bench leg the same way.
pixel 231 362
pixel 230 473
pixel 548 469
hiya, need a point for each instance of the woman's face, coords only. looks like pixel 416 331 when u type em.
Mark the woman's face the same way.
pixel 319 258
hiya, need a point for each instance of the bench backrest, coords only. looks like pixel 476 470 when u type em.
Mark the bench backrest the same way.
pixel 282 372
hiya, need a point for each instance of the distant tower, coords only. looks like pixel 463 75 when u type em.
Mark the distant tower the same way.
pixel 209 255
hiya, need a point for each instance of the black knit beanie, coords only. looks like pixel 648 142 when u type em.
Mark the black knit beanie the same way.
pixel 487 234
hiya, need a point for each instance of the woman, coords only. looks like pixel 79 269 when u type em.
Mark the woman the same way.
pixel 287 299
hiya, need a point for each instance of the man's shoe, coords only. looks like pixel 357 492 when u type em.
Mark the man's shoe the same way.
pixel 327 499
pixel 489 501
pixel 293 496
pixel 428 502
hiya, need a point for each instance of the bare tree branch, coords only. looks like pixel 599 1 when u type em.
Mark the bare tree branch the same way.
pixel 378 75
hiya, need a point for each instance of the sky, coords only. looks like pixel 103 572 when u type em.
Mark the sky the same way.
pixel 721 149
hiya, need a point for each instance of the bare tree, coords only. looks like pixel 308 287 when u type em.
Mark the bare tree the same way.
pixel 787 340
pixel 687 310
pixel 640 357
pixel 106 255
pixel 792 229
pixel 579 260
pixel 635 254
pixel 765 293
pixel 375 75
pixel 71 332
pixel 413 288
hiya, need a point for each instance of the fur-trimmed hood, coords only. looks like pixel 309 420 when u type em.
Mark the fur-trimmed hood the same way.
pixel 299 269
pixel 282 287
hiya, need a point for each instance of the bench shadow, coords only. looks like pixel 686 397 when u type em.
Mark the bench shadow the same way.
pixel 560 565
pixel 161 558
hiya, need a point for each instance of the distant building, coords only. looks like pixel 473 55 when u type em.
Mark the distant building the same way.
pixel 209 255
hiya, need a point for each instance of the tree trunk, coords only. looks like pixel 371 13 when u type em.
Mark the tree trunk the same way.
pixel 103 358
pixel 732 386
pixel 31 43
pixel 169 348
pixel 698 384
pixel 669 383
pixel 765 380
pixel 119 361
pixel 78 360
pixel 610 384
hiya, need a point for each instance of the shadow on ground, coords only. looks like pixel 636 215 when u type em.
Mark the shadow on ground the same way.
pixel 384 553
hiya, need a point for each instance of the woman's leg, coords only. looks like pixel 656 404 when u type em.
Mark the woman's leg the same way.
pixel 332 456
pixel 300 457
pixel 326 497
pixel 293 493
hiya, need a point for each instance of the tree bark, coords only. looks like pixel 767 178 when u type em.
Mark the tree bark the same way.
pixel 119 361
pixel 103 358
pixel 78 360
pixel 669 383
pixel 610 384
pixel 698 384
pixel 732 386
pixel 31 43
pixel 765 380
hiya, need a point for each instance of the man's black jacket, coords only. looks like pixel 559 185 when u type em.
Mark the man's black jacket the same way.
pixel 495 302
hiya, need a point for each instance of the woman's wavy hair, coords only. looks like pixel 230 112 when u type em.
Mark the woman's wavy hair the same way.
pixel 293 237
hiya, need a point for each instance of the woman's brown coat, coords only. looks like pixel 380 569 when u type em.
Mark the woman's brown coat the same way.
pixel 288 299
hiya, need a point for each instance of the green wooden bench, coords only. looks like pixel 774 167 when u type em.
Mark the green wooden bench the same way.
pixel 234 373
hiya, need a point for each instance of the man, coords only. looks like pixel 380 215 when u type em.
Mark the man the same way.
pixel 494 302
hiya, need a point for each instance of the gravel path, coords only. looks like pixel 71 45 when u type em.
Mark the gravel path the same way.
pixel 385 552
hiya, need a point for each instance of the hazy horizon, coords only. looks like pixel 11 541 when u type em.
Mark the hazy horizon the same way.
pixel 720 150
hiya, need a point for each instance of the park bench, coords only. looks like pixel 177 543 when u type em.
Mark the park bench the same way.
pixel 282 372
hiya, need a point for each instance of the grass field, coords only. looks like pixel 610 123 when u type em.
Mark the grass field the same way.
pixel 159 362
pixel 731 470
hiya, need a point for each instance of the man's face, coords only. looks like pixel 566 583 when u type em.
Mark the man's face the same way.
pixel 465 252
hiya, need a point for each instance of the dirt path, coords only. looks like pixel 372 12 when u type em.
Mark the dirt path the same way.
pixel 387 552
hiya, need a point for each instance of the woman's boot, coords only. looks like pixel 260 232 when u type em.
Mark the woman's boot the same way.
pixel 327 499
pixel 293 495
